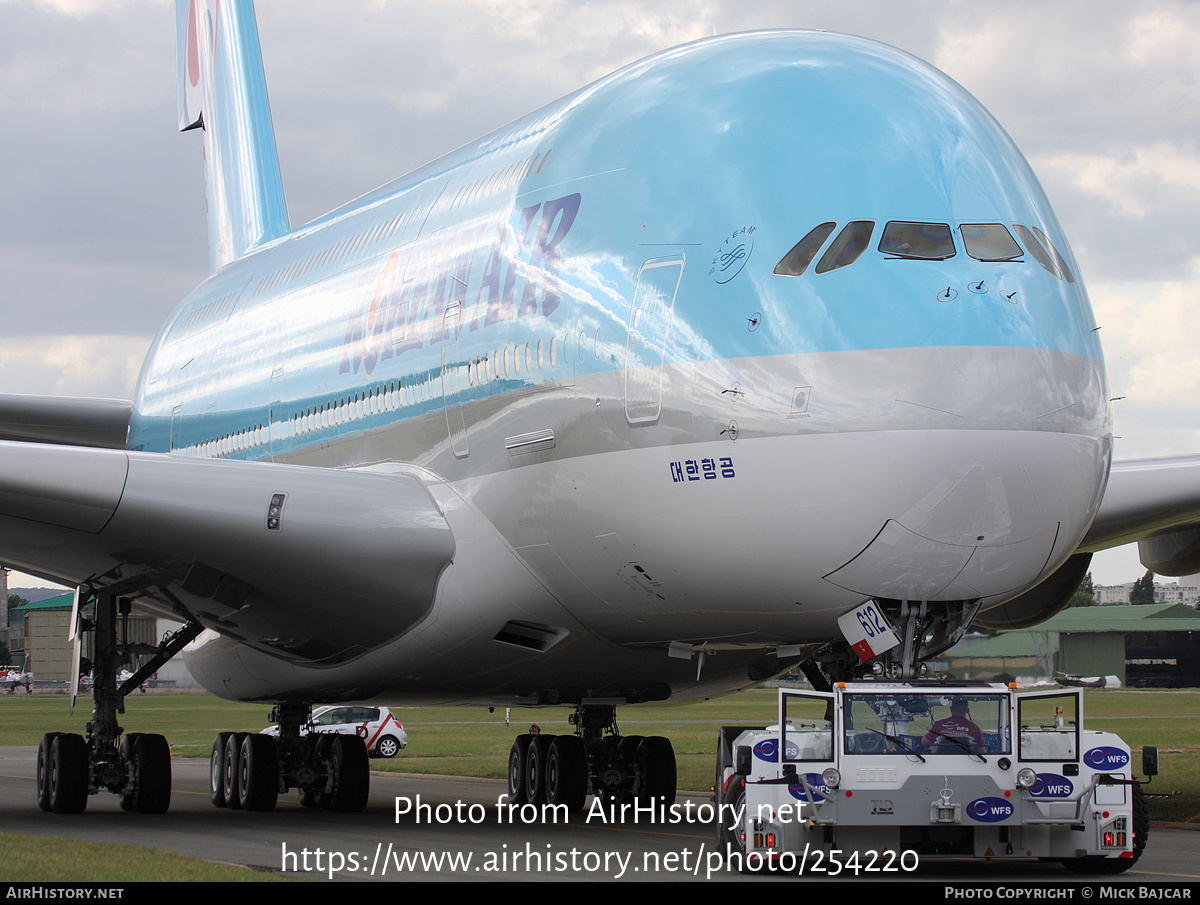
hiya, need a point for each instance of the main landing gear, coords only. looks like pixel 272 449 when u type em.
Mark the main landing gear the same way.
pixel 563 769
pixel 249 771
pixel 136 767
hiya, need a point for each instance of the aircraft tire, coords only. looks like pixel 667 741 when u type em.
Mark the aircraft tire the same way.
pixel 126 797
pixel 258 773
pixel 535 768
pixel 230 767
pixel 68 774
pixel 518 785
pixel 152 754
pixel 43 770
pixel 216 769
pixel 567 772
pixel 323 799
pixel 352 774
pixel 656 771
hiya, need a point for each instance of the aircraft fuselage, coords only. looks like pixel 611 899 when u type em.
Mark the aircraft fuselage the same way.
pixel 575 334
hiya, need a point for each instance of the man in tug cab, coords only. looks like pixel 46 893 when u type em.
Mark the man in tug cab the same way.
pixel 957 728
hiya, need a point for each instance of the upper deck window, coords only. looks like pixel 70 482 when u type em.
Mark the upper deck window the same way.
pixel 990 242
pixel 796 261
pixel 917 241
pixel 851 242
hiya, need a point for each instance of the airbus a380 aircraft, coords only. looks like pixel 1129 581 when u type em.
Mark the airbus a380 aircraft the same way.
pixel 629 400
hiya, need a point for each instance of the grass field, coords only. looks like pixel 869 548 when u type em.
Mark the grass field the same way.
pixel 471 741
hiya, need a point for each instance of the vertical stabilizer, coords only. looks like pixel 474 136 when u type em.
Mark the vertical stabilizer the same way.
pixel 223 90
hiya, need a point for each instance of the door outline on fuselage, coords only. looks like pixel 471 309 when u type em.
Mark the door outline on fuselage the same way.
pixel 646 339
pixel 453 372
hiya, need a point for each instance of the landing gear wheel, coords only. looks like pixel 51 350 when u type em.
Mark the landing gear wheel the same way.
pixel 535 768
pixel 152 759
pixel 126 799
pixel 322 798
pixel 656 771
pixel 387 747
pixel 351 774
pixel 258 773
pixel 1141 829
pixel 567 772
pixel 216 769
pixel 230 767
pixel 43 770
pixel 617 774
pixel 68 774
pixel 518 787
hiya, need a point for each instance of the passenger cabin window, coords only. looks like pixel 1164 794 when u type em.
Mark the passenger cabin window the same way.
pixel 990 242
pixel 796 261
pixel 917 241
pixel 851 242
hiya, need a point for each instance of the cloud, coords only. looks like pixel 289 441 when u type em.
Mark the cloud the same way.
pixel 1149 332
pixel 73 365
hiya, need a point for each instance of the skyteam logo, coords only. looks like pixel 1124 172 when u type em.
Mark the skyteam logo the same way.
pixel 990 810
pixel 768 750
pixel 1051 785
pixel 820 791
pixel 1106 758
pixel 732 255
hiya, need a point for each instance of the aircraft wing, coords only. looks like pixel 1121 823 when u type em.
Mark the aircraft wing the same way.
pixel 75 420
pixel 311 564
pixel 1155 502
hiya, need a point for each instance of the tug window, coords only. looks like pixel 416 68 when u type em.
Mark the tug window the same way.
pixel 990 242
pixel 917 241
pixel 796 261
pixel 851 242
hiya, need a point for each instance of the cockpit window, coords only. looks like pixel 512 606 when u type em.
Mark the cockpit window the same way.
pixel 990 242
pixel 918 241
pixel 1062 265
pixel 851 242
pixel 796 261
pixel 1039 252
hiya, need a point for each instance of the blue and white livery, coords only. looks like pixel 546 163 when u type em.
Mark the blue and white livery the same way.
pixel 629 400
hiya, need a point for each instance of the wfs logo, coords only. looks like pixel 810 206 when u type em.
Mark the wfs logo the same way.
pixel 1106 758
pixel 820 791
pixel 990 810
pixel 1051 785
pixel 768 750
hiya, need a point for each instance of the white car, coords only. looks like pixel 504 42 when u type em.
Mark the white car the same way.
pixel 382 732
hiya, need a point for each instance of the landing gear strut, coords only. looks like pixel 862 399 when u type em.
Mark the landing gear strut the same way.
pixel 563 769
pixel 248 772
pixel 138 767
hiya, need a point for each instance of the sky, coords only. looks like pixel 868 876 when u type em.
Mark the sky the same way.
pixel 102 209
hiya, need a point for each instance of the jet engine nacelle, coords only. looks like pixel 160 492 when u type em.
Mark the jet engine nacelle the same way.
pixel 1041 602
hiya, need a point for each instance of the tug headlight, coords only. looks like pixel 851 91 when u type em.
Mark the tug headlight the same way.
pixel 1026 777
pixel 831 777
